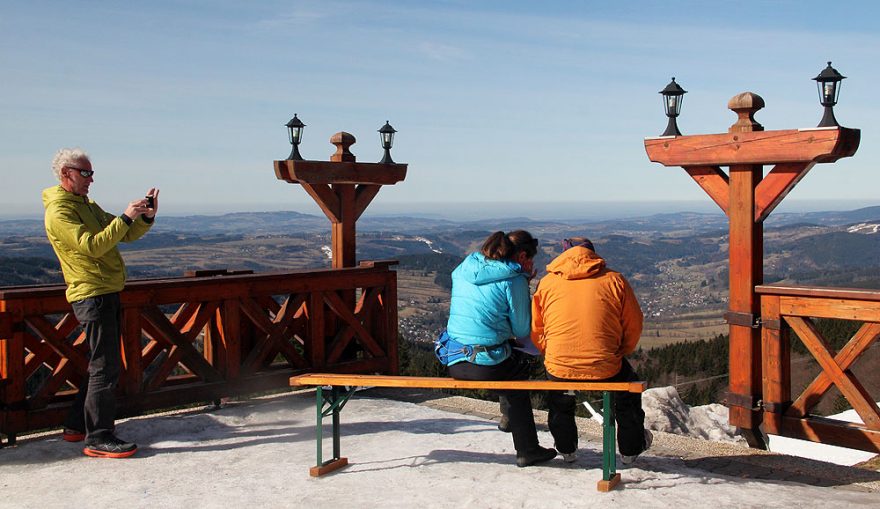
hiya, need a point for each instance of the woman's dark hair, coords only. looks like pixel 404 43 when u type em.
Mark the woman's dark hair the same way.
pixel 501 246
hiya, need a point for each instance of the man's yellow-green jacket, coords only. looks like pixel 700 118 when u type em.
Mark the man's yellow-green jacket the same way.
pixel 84 238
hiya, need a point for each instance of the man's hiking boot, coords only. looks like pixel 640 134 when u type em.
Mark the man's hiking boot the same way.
pixel 535 456
pixel 110 447
pixel 649 439
pixel 73 435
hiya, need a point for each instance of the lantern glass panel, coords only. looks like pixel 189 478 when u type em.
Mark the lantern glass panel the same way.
pixel 387 139
pixel 672 105
pixel 829 92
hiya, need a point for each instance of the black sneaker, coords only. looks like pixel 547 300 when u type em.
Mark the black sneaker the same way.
pixel 110 447
pixel 535 456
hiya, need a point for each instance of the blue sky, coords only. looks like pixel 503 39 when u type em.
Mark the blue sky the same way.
pixel 496 102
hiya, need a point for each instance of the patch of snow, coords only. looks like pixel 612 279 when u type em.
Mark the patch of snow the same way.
pixel 666 411
pixel 865 228
pixel 327 251
pixel 430 244
pixel 822 452
pixel 257 454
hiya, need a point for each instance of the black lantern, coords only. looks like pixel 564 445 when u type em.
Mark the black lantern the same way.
pixel 673 95
pixel 386 134
pixel 294 134
pixel 828 82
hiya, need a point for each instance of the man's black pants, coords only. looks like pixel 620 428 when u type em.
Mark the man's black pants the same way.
pixel 94 409
pixel 627 407
pixel 517 404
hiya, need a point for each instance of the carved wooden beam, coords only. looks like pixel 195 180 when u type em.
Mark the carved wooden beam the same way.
pixel 776 186
pixel 330 172
pixel 326 199
pixel 714 181
pixel 822 145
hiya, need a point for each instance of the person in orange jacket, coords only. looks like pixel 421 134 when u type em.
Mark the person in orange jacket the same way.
pixel 585 320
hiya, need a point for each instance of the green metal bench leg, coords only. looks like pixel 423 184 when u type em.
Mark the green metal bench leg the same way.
pixel 334 403
pixel 610 477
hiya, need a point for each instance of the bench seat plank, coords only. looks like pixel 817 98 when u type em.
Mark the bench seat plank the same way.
pixel 331 401
pixel 339 379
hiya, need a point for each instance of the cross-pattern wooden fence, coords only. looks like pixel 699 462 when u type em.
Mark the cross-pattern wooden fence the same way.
pixel 792 309
pixel 196 339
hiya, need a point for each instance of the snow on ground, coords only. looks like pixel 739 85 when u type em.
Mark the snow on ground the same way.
pixel 823 452
pixel 666 411
pixel 257 454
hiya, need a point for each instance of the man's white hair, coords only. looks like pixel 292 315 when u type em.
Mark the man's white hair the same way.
pixel 65 157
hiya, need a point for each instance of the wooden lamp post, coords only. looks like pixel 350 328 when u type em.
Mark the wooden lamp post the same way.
pixel 342 187
pixel 748 197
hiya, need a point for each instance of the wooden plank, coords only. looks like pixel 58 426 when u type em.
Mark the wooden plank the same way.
pixel 746 271
pixel 832 432
pixel 606 486
pixel 809 291
pixel 776 358
pixel 866 335
pixel 50 299
pixel 714 181
pixel 758 147
pixel 860 311
pixel 12 369
pixel 5 324
pixel 229 326
pixel 776 185
pixel 269 343
pixel 363 197
pixel 189 355
pixel 131 379
pixel 343 233
pixel 846 382
pixel 389 306
pixel 355 380
pixel 330 172
pixel 363 336
pixel 328 467
pixel 317 342
pixel 49 334
pixel 326 199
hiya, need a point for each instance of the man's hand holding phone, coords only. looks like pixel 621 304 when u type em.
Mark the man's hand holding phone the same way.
pixel 152 202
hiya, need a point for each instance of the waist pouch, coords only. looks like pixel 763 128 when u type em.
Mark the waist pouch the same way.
pixel 449 351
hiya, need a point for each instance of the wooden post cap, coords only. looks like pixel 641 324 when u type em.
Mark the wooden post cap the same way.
pixel 745 105
pixel 343 141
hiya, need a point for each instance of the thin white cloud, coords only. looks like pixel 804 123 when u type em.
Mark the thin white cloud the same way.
pixel 443 52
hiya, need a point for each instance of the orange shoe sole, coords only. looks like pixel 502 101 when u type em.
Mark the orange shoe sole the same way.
pixel 103 454
pixel 73 437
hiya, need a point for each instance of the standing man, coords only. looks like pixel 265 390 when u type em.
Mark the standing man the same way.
pixel 585 319
pixel 84 238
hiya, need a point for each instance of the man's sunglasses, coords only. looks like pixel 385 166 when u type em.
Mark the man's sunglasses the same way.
pixel 84 173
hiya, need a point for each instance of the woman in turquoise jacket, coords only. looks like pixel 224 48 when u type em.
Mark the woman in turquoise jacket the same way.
pixel 490 306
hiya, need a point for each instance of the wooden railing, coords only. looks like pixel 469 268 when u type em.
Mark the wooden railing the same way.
pixel 792 309
pixel 194 339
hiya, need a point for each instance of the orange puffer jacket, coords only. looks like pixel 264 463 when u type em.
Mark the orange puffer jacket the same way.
pixel 585 317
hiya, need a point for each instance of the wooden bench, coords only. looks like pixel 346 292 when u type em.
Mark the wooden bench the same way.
pixel 342 387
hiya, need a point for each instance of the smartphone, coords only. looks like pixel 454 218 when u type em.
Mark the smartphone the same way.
pixel 150 202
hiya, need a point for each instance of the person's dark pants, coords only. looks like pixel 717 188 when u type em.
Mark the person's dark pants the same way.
pixel 517 403
pixel 627 407
pixel 94 409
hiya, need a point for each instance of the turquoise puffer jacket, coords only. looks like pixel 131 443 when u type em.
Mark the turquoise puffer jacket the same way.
pixel 490 304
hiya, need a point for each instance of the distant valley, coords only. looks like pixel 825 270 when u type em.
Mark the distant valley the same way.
pixel 676 262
